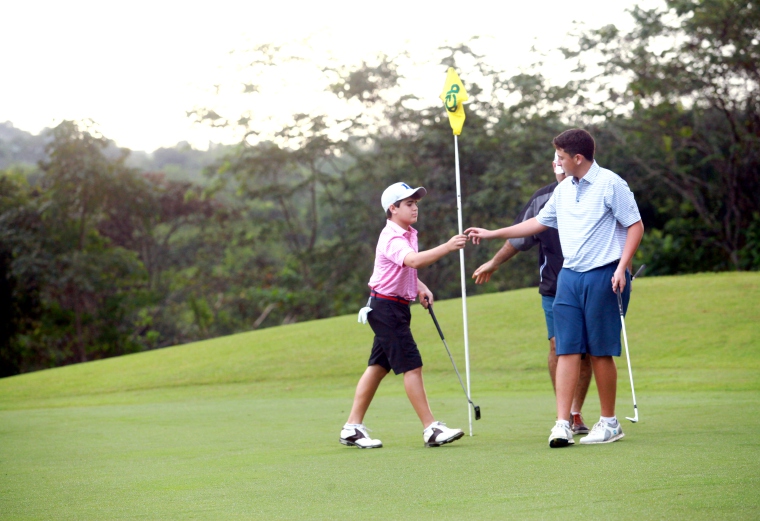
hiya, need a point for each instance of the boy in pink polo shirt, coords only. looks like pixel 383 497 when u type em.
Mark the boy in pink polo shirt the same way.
pixel 393 286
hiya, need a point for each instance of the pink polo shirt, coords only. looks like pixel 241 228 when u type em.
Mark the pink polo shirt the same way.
pixel 390 276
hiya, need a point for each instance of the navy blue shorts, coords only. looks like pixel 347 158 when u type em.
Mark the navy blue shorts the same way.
pixel 586 314
pixel 393 347
pixel 547 303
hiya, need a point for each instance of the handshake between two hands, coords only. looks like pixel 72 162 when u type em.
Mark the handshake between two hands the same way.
pixel 458 242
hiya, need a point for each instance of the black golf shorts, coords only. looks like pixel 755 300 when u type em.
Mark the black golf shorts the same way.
pixel 394 347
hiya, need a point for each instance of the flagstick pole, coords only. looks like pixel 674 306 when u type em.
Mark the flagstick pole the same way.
pixel 464 290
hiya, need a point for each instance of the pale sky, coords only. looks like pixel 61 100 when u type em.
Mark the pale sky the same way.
pixel 136 68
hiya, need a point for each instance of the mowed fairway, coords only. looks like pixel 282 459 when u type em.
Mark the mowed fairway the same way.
pixel 246 427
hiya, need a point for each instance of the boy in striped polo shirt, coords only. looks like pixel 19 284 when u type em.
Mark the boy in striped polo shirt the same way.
pixel 550 262
pixel 600 229
pixel 393 286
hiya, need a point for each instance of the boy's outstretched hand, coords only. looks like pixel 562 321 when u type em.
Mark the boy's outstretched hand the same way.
pixel 457 242
pixel 476 234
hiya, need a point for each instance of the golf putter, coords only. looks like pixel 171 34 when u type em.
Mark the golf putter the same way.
pixel 475 408
pixel 628 356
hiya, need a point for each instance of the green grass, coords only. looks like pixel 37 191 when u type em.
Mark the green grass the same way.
pixel 246 427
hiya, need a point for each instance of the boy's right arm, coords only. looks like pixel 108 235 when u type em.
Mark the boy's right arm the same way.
pixel 425 258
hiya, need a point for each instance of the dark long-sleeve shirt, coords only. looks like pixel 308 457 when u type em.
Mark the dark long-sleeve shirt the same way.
pixel 550 257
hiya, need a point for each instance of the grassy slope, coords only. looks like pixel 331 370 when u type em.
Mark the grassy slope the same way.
pixel 215 429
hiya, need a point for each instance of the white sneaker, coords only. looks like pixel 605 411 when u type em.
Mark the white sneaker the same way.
pixel 602 432
pixel 357 436
pixel 438 434
pixel 561 436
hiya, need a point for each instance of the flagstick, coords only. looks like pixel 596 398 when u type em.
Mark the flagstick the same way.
pixel 464 290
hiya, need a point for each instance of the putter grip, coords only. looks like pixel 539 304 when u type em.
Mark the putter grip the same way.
pixel 435 321
pixel 430 308
pixel 620 301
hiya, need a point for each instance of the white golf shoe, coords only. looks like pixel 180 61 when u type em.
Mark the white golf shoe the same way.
pixel 356 435
pixel 561 435
pixel 438 434
pixel 602 432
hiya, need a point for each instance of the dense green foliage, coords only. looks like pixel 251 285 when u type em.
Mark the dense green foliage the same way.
pixel 246 426
pixel 101 256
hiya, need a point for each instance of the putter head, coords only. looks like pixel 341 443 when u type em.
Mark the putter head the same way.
pixel 477 411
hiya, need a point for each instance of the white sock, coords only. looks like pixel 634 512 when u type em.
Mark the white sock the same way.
pixel 574 413
pixel 564 422
pixel 611 421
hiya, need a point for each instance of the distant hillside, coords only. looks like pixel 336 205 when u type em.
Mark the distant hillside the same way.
pixel 181 162
pixel 18 147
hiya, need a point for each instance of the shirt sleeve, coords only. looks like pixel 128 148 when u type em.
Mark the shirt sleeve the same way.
pixel 523 243
pixel 398 248
pixel 548 214
pixel 619 198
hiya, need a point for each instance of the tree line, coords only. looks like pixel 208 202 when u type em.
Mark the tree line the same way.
pixel 99 257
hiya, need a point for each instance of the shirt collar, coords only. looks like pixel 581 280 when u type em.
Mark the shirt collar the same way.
pixel 591 175
pixel 398 229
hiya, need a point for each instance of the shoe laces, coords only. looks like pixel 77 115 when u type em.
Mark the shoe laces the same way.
pixel 599 426
pixel 435 424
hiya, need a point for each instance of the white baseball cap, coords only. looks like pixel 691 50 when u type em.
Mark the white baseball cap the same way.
pixel 399 191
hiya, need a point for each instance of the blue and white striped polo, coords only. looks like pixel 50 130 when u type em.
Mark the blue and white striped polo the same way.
pixel 592 216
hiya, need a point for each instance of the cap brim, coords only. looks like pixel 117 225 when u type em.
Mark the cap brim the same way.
pixel 420 191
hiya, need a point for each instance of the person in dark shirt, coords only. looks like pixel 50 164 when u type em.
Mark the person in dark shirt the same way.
pixel 550 261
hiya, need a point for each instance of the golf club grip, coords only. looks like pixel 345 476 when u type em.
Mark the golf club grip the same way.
pixel 435 321
pixel 430 308
pixel 620 301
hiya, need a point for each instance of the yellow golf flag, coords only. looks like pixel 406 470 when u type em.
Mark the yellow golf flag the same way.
pixel 453 97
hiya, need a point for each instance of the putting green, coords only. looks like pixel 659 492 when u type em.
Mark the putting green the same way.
pixel 246 427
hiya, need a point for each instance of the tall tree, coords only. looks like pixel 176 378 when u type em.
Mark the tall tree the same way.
pixel 688 116
pixel 89 276
pixel 20 273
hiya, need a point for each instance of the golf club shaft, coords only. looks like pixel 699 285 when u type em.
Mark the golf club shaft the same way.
pixel 456 370
pixel 627 355
pixel 630 371
pixel 638 272
pixel 438 327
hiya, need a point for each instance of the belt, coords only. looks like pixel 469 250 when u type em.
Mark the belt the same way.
pixel 375 294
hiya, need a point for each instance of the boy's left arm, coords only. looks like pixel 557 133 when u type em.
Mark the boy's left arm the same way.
pixel 632 240
pixel 422 292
